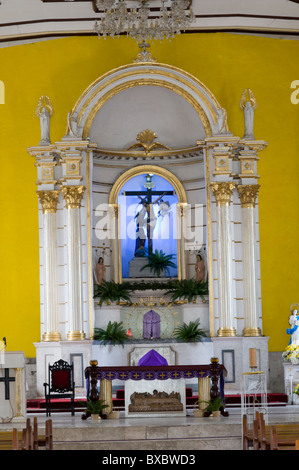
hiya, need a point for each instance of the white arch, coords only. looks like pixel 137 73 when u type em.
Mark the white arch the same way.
pixel 147 74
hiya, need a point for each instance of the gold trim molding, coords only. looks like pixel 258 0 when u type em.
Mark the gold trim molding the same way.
pixel 226 332
pixel 248 194
pixel 252 332
pixel 146 82
pixel 51 336
pixel 48 200
pixel 145 139
pixel 76 336
pixel 223 192
pixel 144 169
pixel 73 196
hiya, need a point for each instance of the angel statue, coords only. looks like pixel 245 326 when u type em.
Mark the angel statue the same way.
pixel 44 111
pixel 248 104
pixel 73 130
pixel 294 323
pixel 221 121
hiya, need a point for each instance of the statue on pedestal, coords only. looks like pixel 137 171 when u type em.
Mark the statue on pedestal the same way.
pixel 294 324
pixel 100 270
pixel 248 104
pixel 200 268
pixel 44 111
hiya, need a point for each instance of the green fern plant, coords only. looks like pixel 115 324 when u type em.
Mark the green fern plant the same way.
pixel 110 291
pixel 188 289
pixel 95 407
pixel 158 262
pixel 114 334
pixel 190 332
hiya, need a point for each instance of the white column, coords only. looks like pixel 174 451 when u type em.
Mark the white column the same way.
pixel 114 237
pixel 49 200
pixel 73 196
pixel 223 192
pixel 181 231
pixel 248 194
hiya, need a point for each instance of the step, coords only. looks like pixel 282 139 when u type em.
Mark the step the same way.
pixel 211 433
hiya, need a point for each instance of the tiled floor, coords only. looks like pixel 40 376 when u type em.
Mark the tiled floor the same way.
pixel 275 415
pixel 149 433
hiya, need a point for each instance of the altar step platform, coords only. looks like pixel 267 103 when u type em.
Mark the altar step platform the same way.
pixel 38 405
pixel 124 436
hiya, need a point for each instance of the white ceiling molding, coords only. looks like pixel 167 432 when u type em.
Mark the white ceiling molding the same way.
pixel 42 19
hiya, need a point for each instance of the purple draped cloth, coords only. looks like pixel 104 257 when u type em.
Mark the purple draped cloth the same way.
pixel 151 325
pixel 152 358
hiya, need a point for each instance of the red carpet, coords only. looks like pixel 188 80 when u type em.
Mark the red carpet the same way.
pixel 37 405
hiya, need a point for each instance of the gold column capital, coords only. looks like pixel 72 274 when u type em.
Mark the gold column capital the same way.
pixel 223 192
pixel 73 196
pixel 248 194
pixel 48 200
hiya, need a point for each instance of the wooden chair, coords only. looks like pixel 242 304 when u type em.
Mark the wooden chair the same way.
pixel 60 384
pixel 247 434
pixel 284 436
pixel 43 441
pixel 15 439
pixel 10 440
pixel 27 436
pixel 250 439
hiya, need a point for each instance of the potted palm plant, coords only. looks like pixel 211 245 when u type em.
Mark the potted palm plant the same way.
pixel 110 291
pixel 214 406
pixel 158 262
pixel 190 332
pixel 95 408
pixel 188 289
pixel 113 334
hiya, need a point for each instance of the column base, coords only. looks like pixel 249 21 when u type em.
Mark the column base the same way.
pixel 228 332
pixel 252 332
pixel 51 336
pixel 76 336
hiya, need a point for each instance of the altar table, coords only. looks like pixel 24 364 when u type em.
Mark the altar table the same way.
pixel 208 375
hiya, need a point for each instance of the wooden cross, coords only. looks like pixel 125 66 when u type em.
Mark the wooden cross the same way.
pixel 6 379
pixel 147 202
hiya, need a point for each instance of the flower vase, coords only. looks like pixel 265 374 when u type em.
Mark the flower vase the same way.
pixel 294 360
pixel 95 417
pixel 198 413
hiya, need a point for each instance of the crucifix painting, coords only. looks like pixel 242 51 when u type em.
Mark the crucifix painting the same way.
pixel 150 203
pixel 146 218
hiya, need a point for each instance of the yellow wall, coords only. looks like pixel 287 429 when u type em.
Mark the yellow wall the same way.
pixel 226 64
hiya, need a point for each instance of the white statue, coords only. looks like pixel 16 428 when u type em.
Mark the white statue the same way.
pixel 73 129
pixel 44 111
pixel 221 121
pixel 248 104
pixel 294 324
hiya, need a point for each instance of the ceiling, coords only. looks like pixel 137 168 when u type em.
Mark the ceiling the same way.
pixel 27 20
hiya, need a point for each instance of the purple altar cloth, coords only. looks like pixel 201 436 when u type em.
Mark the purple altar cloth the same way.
pixel 152 358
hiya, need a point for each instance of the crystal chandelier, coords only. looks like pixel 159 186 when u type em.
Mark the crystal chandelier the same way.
pixel 141 23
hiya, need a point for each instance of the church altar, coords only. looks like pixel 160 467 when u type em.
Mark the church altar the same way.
pixel 109 195
pixel 205 374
